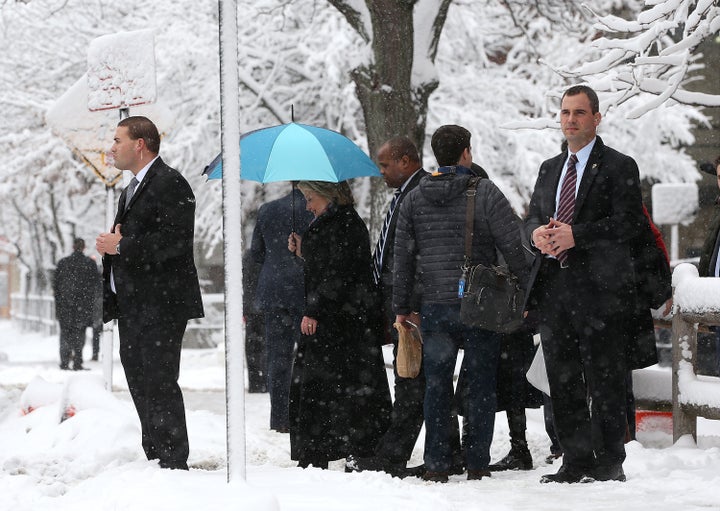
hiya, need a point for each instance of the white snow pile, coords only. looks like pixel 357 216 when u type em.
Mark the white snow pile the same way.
pixel 694 294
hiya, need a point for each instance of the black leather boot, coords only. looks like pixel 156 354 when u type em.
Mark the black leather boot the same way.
pixel 519 458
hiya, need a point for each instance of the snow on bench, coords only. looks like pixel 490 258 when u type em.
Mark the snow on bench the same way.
pixel 695 300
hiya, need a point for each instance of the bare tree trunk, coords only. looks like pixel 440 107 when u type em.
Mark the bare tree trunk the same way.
pixel 392 104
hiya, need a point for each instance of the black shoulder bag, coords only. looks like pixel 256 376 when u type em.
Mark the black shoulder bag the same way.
pixel 491 296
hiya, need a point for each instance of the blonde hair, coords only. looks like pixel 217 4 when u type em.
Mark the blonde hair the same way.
pixel 337 193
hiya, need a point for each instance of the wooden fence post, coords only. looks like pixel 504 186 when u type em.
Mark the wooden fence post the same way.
pixel 684 350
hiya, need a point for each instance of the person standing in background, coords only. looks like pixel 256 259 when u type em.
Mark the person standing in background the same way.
pixel 279 294
pixel 151 286
pixel 75 284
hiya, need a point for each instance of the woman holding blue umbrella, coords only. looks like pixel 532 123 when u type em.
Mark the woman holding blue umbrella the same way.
pixel 339 396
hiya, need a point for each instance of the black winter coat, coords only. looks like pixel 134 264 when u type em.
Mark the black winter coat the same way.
pixel 75 286
pixel 708 254
pixel 339 395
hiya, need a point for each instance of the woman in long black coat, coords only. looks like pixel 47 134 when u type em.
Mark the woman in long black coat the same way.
pixel 339 396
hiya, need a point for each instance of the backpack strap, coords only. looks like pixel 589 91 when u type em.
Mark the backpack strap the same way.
pixel 471 192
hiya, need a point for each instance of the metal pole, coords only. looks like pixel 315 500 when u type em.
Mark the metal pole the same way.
pixel 232 237
pixel 106 347
pixel 674 242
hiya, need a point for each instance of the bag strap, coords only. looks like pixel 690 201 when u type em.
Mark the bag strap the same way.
pixel 471 192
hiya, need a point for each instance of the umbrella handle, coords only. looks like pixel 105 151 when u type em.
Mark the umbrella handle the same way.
pixel 292 192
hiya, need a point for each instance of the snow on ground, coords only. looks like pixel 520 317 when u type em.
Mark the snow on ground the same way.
pixel 93 460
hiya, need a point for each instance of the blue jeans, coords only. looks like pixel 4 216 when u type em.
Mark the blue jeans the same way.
pixel 443 335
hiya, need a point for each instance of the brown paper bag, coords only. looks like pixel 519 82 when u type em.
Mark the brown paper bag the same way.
pixel 409 352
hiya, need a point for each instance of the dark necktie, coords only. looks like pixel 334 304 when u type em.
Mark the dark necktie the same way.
pixel 380 246
pixel 130 191
pixel 566 206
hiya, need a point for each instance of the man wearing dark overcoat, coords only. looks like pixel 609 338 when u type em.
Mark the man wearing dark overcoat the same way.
pixel 76 279
pixel 280 294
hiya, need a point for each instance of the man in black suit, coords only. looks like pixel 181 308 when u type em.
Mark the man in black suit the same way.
pixel 400 166
pixel 280 294
pixel 151 286
pixel 581 284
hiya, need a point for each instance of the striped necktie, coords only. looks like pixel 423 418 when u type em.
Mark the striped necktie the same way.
pixel 380 246
pixel 566 206
pixel 130 191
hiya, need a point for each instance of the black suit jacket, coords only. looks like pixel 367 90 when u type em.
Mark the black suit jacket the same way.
pixel 389 253
pixel 608 215
pixel 155 274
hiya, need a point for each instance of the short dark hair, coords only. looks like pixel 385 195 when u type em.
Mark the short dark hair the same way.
pixel 142 127
pixel 448 143
pixel 584 89
pixel 78 244
pixel 717 162
pixel 402 146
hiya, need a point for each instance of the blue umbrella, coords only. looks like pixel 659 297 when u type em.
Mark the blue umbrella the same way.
pixel 297 152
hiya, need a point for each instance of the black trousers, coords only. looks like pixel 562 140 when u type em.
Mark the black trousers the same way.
pixel 406 420
pixel 282 333
pixel 255 352
pixel 584 348
pixel 150 355
pixel 72 340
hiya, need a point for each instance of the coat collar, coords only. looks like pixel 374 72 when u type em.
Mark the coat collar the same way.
pixel 143 184
pixel 592 168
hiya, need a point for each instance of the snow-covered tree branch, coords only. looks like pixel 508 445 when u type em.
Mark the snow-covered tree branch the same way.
pixel 656 54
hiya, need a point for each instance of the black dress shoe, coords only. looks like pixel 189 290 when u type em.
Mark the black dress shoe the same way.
pixel 380 464
pixel 369 463
pixel 476 475
pixel 516 459
pixel 417 471
pixel 173 465
pixel 457 469
pixel 609 473
pixel 435 477
pixel 567 475
pixel 321 464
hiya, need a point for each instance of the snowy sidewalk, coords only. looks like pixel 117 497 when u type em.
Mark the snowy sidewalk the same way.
pixel 93 461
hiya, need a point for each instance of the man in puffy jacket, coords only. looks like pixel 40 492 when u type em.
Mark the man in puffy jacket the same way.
pixel 429 243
